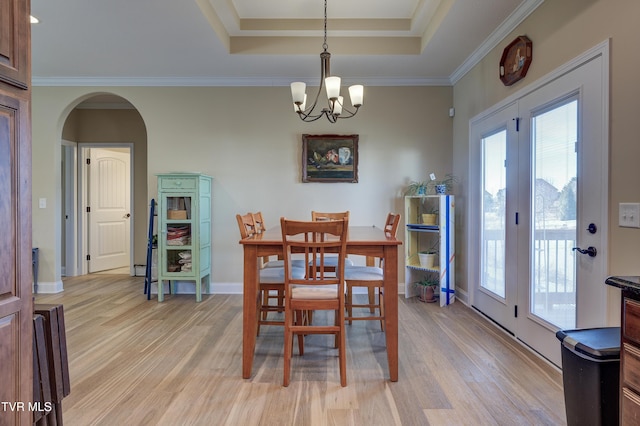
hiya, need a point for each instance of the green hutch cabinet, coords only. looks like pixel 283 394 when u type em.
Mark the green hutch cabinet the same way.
pixel 184 224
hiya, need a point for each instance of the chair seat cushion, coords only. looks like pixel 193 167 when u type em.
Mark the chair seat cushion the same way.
pixel 364 273
pixel 333 261
pixel 276 275
pixel 296 263
pixel 320 292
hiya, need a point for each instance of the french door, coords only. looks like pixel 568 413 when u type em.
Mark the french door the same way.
pixel 539 164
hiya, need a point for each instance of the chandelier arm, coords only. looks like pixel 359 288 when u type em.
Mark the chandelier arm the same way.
pixel 349 111
pixel 310 118
pixel 351 114
pixel 315 101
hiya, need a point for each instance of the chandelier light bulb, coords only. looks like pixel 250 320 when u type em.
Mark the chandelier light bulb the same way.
pixel 333 87
pixel 337 106
pixel 356 93
pixel 298 92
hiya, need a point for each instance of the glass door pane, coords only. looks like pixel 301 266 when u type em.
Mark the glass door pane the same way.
pixel 494 177
pixel 554 206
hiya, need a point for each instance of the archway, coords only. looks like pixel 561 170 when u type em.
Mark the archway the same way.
pixel 107 122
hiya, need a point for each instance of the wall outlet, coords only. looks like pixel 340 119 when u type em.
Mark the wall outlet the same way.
pixel 629 215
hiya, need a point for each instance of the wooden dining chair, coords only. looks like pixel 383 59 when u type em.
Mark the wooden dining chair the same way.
pixel 319 290
pixel 371 277
pixel 260 226
pixel 271 279
pixel 328 216
pixel 246 225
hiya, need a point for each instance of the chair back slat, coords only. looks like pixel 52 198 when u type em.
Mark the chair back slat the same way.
pixel 320 217
pixel 259 222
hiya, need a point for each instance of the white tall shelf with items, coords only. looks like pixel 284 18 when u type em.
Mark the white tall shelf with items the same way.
pixel 422 235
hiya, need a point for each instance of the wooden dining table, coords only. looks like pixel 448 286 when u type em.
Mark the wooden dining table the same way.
pixel 362 240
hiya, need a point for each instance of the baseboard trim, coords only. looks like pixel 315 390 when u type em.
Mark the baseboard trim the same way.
pixel 50 287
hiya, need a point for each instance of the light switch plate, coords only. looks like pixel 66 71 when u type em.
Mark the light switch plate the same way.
pixel 629 215
pixel 42 203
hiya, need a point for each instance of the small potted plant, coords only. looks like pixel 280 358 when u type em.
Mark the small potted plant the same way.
pixel 417 188
pixel 442 186
pixel 427 289
pixel 432 186
pixel 427 258
pixel 430 217
pixel 428 255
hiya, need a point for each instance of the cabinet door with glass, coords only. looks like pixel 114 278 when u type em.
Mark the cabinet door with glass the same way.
pixel 430 246
pixel 184 240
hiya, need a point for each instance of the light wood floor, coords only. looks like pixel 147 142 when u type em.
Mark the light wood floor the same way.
pixel 139 362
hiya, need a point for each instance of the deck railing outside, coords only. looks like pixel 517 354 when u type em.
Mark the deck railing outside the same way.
pixel 554 269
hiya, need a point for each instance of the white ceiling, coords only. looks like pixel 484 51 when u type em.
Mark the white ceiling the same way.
pixel 259 42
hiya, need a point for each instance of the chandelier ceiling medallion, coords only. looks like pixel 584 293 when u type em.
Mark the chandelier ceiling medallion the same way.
pixel 335 108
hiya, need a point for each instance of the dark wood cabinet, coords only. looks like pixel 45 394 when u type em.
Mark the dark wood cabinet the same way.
pixel 16 305
pixel 629 348
pixel 630 359
pixel 15 43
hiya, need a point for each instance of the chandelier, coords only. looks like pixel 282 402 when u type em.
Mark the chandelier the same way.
pixel 335 108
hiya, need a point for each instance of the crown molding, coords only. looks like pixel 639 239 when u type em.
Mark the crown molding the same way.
pixel 219 82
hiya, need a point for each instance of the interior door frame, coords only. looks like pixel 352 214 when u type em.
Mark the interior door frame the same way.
pixel 70 206
pixel 83 187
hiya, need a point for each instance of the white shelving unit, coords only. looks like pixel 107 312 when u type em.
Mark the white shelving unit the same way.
pixel 420 237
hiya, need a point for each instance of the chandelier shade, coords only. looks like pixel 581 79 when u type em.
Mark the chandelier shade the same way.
pixel 335 108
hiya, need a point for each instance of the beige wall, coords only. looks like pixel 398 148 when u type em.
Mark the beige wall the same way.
pixel 561 31
pixel 248 139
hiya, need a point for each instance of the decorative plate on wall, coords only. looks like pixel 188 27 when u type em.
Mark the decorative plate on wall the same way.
pixel 515 60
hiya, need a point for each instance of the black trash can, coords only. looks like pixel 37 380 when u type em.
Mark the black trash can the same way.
pixel 591 375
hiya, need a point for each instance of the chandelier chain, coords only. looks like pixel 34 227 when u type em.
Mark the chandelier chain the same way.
pixel 325 46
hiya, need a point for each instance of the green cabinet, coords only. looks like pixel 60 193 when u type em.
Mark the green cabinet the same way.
pixel 184 230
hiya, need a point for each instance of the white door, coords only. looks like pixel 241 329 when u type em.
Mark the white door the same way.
pixel 110 213
pixel 532 281
pixel 561 287
pixel 496 149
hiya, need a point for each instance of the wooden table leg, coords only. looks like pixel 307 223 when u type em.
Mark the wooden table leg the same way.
pixel 391 308
pixel 249 308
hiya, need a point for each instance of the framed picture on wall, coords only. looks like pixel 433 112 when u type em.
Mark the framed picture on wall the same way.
pixel 330 158
pixel 515 61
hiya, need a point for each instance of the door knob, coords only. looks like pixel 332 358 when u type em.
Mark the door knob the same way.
pixel 591 251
